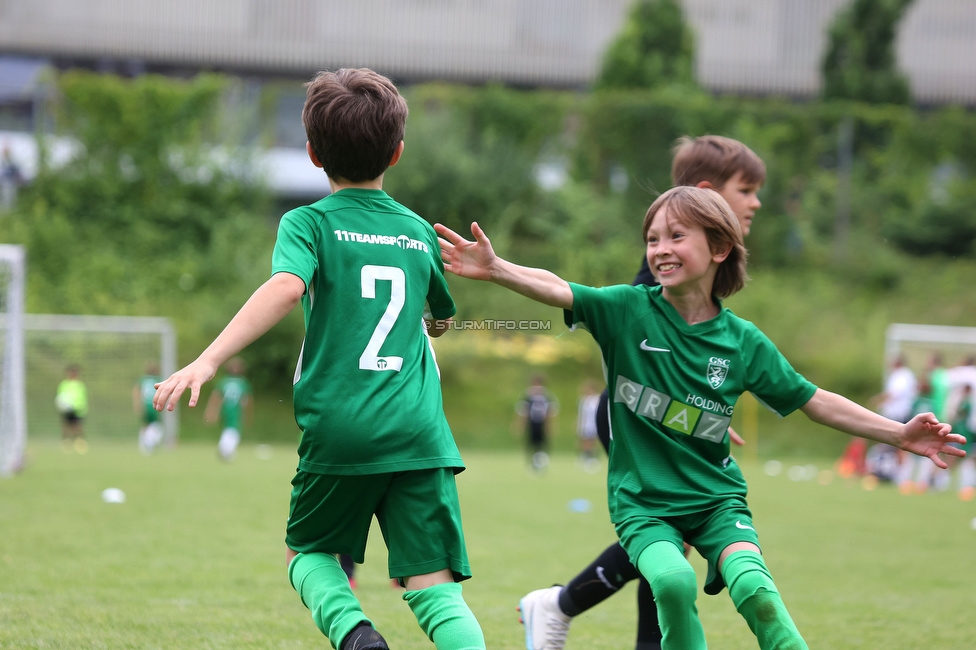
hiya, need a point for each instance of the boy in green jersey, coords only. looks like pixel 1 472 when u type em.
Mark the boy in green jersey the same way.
pixel 231 401
pixel 962 423
pixel 734 171
pixel 151 431
pixel 676 362
pixel 375 441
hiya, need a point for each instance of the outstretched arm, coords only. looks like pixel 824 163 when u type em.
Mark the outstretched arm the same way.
pixel 272 301
pixel 477 260
pixel 923 435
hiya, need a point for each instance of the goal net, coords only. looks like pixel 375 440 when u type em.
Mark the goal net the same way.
pixel 13 418
pixel 111 352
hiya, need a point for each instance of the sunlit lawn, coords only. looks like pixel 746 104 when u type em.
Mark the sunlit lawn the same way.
pixel 194 557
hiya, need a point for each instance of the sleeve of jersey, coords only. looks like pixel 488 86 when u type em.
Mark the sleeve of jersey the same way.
pixel 773 380
pixel 295 246
pixel 593 308
pixel 438 296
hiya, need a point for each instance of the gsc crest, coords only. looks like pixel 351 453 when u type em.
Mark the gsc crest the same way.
pixel 718 370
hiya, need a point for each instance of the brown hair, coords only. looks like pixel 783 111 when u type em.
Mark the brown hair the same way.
pixel 707 209
pixel 715 159
pixel 236 366
pixel 354 120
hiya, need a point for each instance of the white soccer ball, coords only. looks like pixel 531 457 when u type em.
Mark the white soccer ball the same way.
pixel 113 495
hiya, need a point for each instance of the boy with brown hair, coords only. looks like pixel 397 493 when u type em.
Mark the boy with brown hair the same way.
pixel 375 441
pixel 734 171
pixel 677 361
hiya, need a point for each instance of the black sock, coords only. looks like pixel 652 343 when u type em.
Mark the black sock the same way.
pixel 348 566
pixel 597 582
pixel 649 633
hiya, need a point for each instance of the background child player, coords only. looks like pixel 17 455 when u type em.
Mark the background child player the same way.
pixel 536 408
pixel 151 430
pixel 71 400
pixel 677 361
pixel 586 438
pixel 734 171
pixel 375 440
pixel 231 401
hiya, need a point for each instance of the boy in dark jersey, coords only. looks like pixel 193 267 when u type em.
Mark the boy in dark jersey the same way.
pixel 734 171
pixel 535 409
pixel 375 441
pixel 677 362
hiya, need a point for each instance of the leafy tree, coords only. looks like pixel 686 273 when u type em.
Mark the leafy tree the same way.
pixel 151 213
pixel 860 62
pixel 655 47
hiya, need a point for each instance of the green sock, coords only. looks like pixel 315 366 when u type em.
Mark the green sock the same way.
pixel 320 581
pixel 675 589
pixel 445 618
pixel 757 600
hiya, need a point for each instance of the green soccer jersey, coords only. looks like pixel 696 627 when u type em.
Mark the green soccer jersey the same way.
pixel 234 392
pixel 147 390
pixel 673 389
pixel 367 387
pixel 941 387
pixel 961 423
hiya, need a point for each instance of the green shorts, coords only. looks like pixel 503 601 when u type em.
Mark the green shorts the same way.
pixel 418 512
pixel 710 532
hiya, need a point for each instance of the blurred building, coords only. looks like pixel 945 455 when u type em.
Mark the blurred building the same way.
pixel 743 46
pixel 752 46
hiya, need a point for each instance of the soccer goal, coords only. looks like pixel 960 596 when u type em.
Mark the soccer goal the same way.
pixel 13 404
pixel 112 353
pixel 916 343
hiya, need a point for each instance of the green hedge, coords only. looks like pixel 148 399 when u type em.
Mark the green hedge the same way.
pixel 121 231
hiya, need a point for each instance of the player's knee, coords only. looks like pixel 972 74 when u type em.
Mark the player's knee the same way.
pixel 746 575
pixel 444 616
pixel 675 589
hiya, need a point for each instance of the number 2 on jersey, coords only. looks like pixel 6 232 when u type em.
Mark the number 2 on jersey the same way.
pixel 371 274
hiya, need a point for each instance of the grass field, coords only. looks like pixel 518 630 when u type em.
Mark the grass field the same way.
pixel 194 557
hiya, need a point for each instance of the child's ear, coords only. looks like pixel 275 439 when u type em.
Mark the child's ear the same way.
pixel 312 156
pixel 396 154
pixel 705 185
pixel 721 253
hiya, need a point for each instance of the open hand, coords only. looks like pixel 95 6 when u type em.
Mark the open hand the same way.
pixel 468 259
pixel 926 436
pixel 193 376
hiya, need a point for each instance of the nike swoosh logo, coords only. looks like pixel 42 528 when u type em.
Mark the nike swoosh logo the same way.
pixel 600 573
pixel 649 348
pixel 742 526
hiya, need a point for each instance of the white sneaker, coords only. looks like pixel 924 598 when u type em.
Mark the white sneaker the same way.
pixel 546 626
